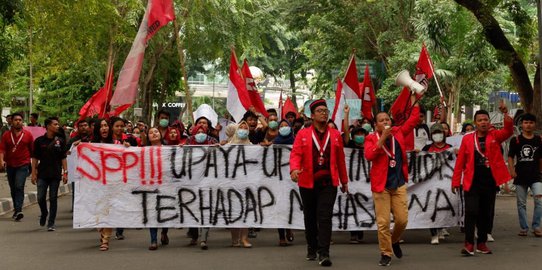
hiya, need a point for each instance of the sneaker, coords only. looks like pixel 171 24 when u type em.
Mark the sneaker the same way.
pixel 203 245
pixel 324 260
pixel 434 240
pixel 490 238
pixel 397 250
pixel 482 248
pixel 119 236
pixel 537 232
pixel 311 255
pixel 19 216
pixel 444 232
pixel 43 219
pixel 468 250
pixel 384 260
pixel 51 228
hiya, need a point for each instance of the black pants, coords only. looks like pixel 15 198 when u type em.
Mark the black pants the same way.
pixel 318 210
pixel 479 205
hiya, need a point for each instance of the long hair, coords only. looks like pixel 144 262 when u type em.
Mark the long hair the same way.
pixel 97 136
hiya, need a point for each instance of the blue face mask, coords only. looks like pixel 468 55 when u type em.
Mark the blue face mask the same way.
pixel 242 133
pixel 273 125
pixel 285 131
pixel 201 137
pixel 359 139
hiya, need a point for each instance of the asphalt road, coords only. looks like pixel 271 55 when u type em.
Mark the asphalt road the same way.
pixel 25 245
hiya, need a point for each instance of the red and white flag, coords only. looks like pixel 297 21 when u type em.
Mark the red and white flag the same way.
pixel 126 90
pixel 350 81
pixel 97 104
pixel 424 67
pixel 289 106
pixel 369 98
pixel 338 110
pixel 238 101
pixel 253 93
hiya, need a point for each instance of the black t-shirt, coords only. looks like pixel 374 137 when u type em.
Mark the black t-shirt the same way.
pixel 257 136
pixel 50 153
pixel 395 174
pixel 527 154
pixel 483 179
pixel 78 137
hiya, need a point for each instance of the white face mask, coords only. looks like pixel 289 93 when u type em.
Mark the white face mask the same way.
pixel 439 137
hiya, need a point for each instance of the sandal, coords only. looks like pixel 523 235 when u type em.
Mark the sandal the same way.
pixel 235 244
pixel 104 247
pixel 522 233
pixel 246 244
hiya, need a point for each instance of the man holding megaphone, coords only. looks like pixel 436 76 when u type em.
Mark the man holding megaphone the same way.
pixel 389 173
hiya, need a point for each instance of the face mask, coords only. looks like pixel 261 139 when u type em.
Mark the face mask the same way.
pixel 164 123
pixel 367 127
pixel 285 131
pixel 359 139
pixel 273 125
pixel 242 133
pixel 200 137
pixel 439 137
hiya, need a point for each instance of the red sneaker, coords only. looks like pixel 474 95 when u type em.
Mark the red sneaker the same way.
pixel 482 248
pixel 468 250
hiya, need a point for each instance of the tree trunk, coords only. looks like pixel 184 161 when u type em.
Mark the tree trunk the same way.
pixel 292 85
pixel 495 36
pixel 182 60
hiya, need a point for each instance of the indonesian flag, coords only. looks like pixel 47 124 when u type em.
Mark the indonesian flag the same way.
pixel 338 110
pixel 350 81
pixel 126 90
pixel 255 98
pixel 289 106
pixel 238 101
pixel 97 104
pixel 369 98
pixel 424 68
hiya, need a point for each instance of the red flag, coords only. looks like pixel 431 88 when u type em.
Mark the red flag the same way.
pixel 369 98
pixel 350 81
pixel 338 110
pixel 160 14
pixel 238 101
pixel 97 104
pixel 289 106
pixel 255 98
pixel 424 66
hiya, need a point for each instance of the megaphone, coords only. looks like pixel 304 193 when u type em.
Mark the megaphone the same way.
pixel 404 79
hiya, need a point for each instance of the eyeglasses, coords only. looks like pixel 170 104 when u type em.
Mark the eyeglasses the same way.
pixel 325 111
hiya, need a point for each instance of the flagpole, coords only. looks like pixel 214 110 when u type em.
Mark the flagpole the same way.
pixel 436 81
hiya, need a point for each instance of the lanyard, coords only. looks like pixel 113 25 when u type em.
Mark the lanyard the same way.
pixel 392 153
pixel 478 147
pixel 319 144
pixel 18 142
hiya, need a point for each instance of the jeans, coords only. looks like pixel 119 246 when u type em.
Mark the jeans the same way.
pixel 16 179
pixel 479 205
pixel 154 234
pixel 318 205
pixel 521 192
pixel 52 185
pixel 390 201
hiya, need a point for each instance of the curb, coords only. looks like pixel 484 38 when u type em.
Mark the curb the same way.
pixel 30 198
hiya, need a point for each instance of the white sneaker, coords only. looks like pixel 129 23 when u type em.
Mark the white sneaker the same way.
pixel 490 238
pixel 444 232
pixel 434 240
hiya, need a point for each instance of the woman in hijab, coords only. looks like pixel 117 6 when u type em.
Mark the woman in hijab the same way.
pixel 239 236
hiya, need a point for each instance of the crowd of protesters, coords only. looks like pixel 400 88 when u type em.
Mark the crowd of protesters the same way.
pixel 479 170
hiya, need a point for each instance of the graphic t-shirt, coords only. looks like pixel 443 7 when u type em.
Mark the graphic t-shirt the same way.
pixel 527 154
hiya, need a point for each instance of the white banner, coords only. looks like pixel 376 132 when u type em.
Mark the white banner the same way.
pixel 236 186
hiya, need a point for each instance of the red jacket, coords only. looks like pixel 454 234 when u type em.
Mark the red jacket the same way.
pixel 464 166
pixel 379 158
pixel 301 158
